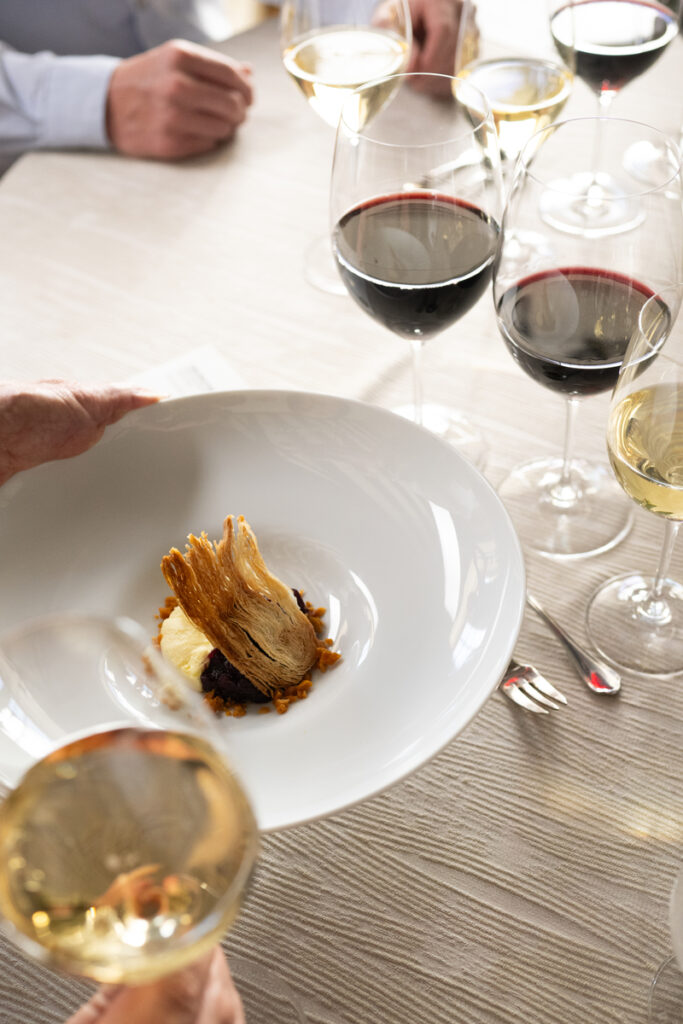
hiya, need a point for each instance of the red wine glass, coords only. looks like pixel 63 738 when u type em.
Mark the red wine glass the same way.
pixel 610 44
pixel 415 206
pixel 568 315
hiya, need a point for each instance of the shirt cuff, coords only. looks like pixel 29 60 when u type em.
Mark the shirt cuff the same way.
pixel 76 102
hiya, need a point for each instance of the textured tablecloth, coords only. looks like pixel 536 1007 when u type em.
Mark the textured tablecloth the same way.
pixel 522 875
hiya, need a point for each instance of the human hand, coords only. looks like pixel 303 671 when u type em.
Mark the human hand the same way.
pixel 55 420
pixel 203 993
pixel 176 100
pixel 436 26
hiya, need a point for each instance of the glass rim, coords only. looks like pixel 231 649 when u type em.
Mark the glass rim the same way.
pixel 484 111
pixel 531 147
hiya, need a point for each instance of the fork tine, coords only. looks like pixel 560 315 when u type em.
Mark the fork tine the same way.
pixel 541 683
pixel 516 695
pixel 535 692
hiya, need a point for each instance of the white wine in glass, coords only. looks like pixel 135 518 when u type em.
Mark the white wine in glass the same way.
pixel 636 620
pixel 127 842
pixel 330 48
pixel 525 94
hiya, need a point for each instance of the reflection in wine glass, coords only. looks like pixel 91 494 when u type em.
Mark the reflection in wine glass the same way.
pixel 329 48
pixel 567 317
pixel 611 42
pixel 415 205
pixel 636 620
pixel 127 842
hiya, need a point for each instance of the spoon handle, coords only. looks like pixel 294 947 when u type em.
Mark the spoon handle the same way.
pixel 598 677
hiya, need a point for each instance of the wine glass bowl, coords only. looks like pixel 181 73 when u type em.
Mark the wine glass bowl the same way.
pixel 566 307
pixel 636 619
pixel 127 842
pixel 415 206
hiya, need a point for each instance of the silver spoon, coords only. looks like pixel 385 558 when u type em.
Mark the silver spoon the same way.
pixel 598 676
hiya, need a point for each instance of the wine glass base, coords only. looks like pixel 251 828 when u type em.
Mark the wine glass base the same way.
pixel 266 996
pixel 587 516
pixel 453 427
pixel 627 636
pixel 591 206
pixel 665 1004
pixel 320 270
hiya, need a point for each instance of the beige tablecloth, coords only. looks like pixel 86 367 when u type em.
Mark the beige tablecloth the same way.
pixel 522 875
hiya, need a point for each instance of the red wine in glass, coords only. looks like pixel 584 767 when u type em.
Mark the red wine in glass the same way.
pixel 415 206
pixel 568 312
pixel 569 328
pixel 613 41
pixel 414 261
pixel 609 43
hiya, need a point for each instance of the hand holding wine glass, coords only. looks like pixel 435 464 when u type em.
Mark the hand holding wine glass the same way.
pixel 567 313
pixel 127 843
pixel 415 205
pixel 636 620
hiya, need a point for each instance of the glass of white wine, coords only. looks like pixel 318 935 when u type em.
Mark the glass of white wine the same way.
pixel 665 1004
pixel 330 48
pixel 636 619
pixel 126 840
pixel 515 66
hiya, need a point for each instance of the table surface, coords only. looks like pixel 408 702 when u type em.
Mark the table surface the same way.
pixel 523 875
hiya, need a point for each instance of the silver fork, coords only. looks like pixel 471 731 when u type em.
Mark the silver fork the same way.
pixel 527 688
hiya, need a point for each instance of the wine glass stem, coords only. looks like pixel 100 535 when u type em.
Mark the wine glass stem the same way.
pixel 418 401
pixel 670 534
pixel 655 608
pixel 563 492
pixel 605 98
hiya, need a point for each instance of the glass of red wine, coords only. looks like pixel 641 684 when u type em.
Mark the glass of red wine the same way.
pixel 416 198
pixel 568 315
pixel 612 42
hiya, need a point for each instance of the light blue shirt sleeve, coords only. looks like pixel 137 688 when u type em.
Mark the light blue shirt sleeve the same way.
pixel 48 101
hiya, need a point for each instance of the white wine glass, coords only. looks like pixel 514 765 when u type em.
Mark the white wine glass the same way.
pixel 567 314
pixel 415 205
pixel 329 48
pixel 609 43
pixel 665 1003
pixel 515 65
pixel 636 619
pixel 126 840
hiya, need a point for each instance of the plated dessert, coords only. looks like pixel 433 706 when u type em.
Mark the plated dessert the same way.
pixel 234 630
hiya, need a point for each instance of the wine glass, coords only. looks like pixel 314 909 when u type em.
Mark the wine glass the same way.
pixel 415 204
pixel 636 620
pixel 517 69
pixel 330 49
pixel 127 841
pixel 611 42
pixel 665 1004
pixel 567 315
